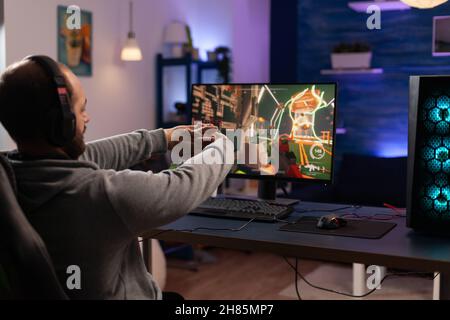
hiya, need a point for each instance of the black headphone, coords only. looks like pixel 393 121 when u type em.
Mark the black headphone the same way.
pixel 61 121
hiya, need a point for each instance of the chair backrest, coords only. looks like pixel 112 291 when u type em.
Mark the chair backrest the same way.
pixel 23 256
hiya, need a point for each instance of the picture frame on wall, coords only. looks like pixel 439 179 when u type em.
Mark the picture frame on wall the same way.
pixel 75 46
pixel 441 36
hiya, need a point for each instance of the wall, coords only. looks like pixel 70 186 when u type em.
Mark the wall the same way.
pixel 283 54
pixel 373 108
pixel 121 96
pixel 28 32
pixel 251 41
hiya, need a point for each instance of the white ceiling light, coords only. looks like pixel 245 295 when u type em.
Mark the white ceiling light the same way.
pixel 424 4
pixel 131 51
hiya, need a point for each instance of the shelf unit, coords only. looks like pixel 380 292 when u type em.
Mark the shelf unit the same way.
pixel 387 5
pixel 422 69
pixel 351 71
pixel 188 63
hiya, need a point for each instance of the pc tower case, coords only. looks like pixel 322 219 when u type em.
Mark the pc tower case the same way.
pixel 428 183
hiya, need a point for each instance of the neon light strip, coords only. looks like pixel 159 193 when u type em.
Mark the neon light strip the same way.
pixel 261 94
pixel 267 88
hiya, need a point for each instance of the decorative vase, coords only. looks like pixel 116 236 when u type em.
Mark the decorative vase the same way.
pixel 212 56
pixel 73 55
pixel 351 60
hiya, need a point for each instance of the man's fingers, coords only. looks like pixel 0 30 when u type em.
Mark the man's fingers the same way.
pixel 206 127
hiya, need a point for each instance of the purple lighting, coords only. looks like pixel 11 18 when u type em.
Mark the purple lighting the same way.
pixel 388 5
pixel 393 150
pixel 341 131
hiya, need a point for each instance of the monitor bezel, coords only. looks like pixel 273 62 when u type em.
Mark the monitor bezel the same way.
pixel 279 178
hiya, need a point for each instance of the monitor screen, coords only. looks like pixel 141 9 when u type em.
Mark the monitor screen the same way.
pixel 290 128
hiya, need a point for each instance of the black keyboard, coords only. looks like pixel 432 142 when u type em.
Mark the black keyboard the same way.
pixel 242 209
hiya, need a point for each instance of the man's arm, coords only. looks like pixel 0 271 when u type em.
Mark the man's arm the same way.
pixel 146 200
pixel 124 151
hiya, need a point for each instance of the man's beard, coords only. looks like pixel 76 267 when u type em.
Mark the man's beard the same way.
pixel 76 147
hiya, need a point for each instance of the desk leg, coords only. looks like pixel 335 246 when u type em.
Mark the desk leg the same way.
pixel 436 286
pixel 359 279
pixel 444 286
pixel 147 254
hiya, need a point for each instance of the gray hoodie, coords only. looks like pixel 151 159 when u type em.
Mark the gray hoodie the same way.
pixel 90 211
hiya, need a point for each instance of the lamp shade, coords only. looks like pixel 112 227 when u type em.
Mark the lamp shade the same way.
pixel 131 50
pixel 175 33
pixel 424 4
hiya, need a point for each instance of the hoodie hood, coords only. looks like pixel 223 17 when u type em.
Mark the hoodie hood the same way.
pixel 39 181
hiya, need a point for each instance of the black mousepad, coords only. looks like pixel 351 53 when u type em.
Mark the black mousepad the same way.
pixel 366 229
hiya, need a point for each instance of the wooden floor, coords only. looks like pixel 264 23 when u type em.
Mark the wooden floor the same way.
pixel 236 276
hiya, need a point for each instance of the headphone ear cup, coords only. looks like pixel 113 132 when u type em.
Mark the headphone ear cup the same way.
pixel 69 125
pixel 54 128
pixel 60 127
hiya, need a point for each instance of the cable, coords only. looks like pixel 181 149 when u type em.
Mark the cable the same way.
pixel 295 268
pixel 347 294
pixel 377 216
pixel 395 209
pixel 199 228
pixel 283 188
pixel 380 216
pixel 285 221
pixel 296 280
pixel 329 210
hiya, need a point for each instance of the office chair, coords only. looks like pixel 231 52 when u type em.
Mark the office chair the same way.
pixel 23 255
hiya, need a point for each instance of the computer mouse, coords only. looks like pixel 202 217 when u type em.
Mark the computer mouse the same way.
pixel 331 222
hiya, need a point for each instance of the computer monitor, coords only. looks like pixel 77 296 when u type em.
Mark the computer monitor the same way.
pixel 299 120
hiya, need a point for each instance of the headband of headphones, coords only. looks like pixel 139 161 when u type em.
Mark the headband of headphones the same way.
pixel 62 121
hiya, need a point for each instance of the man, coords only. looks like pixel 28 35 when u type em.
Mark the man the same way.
pixel 82 200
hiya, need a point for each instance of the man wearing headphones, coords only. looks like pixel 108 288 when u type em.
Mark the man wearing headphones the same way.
pixel 81 199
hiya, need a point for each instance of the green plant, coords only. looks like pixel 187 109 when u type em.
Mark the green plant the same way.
pixel 351 47
pixel 190 43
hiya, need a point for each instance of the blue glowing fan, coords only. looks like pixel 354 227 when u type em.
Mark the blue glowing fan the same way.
pixel 429 154
pixel 435 153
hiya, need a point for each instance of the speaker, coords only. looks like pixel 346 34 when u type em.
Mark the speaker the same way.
pixel 428 172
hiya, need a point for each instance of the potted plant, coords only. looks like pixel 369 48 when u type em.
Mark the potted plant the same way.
pixel 223 58
pixel 188 47
pixel 351 56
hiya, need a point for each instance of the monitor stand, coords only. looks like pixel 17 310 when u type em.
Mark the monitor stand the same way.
pixel 267 190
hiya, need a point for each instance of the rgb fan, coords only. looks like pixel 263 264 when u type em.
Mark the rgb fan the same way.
pixel 429 154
